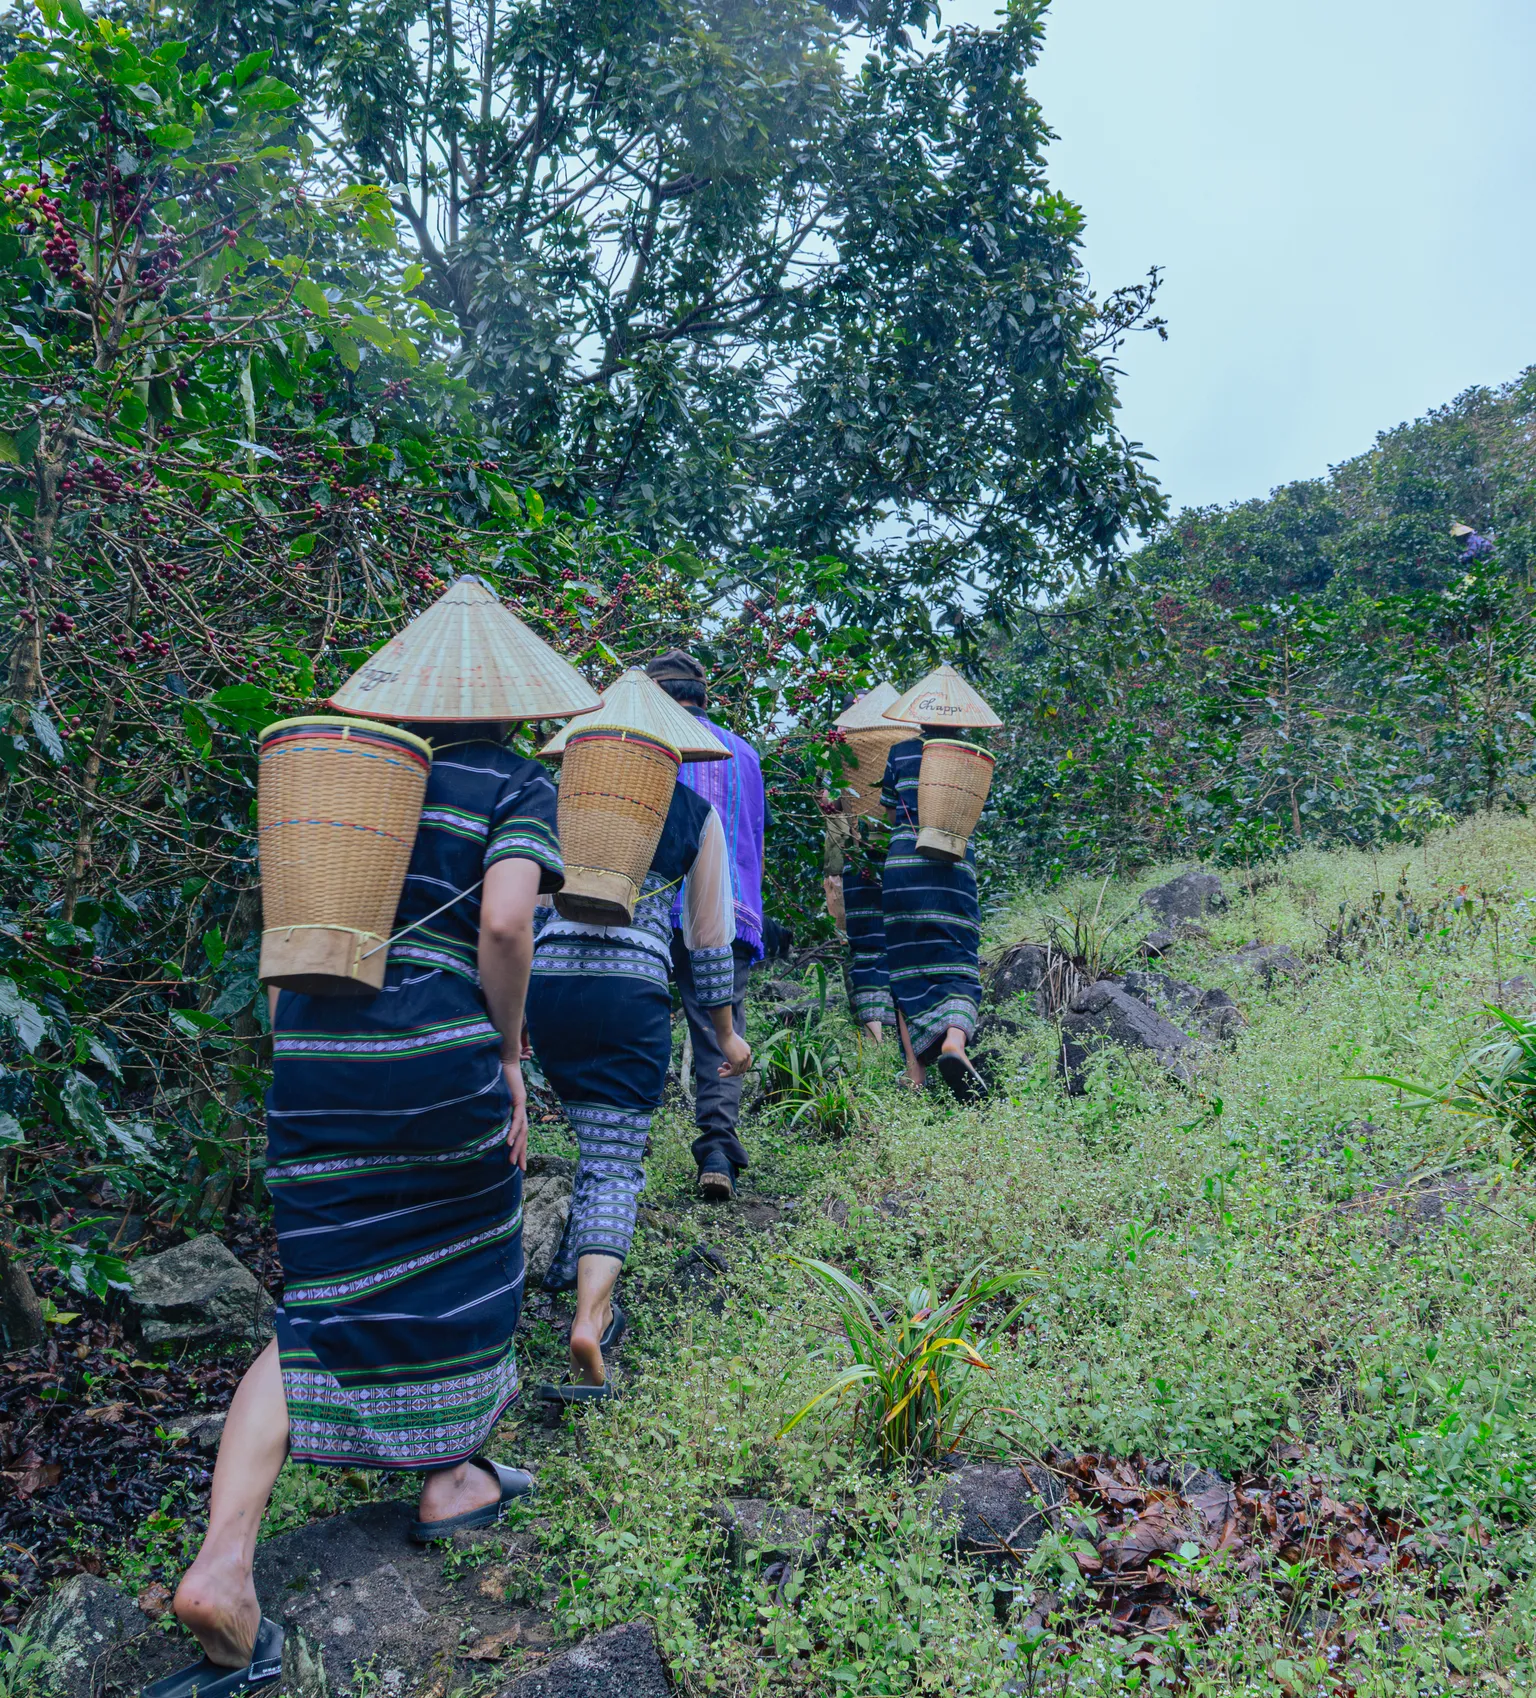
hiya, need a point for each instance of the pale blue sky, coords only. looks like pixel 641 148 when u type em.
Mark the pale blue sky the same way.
pixel 1342 192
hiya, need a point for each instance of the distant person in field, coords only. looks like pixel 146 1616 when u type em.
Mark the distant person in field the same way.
pixel 932 912
pixel 735 790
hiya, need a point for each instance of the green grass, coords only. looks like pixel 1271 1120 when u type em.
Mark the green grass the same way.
pixel 1222 1275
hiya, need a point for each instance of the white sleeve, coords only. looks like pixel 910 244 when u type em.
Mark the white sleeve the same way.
pixel 709 903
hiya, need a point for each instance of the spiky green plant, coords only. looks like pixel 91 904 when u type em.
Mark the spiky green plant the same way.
pixel 915 1359
pixel 1495 1085
pixel 806 1084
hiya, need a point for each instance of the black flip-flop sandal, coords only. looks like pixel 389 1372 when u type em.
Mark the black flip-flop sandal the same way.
pixel 204 1679
pixel 514 1482
pixel 613 1333
pixel 961 1077
pixel 607 1392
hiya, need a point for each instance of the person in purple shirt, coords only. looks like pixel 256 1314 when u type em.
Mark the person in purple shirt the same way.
pixel 735 788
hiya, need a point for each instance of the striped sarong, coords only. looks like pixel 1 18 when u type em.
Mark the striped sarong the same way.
pixel 869 976
pixel 932 918
pixel 399 1222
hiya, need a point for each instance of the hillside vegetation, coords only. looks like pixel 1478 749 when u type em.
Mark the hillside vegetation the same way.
pixel 1280 1273
pixel 1347 661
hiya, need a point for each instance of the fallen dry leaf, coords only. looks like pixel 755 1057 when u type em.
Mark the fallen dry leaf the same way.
pixel 155 1600
pixel 489 1646
pixel 33 1475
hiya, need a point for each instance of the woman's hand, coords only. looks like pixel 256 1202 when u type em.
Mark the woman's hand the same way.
pixel 738 1056
pixel 517 1132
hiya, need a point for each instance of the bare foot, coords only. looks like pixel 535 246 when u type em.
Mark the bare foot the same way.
pixel 954 1043
pixel 456 1491
pixel 216 1602
pixel 915 1077
pixel 586 1346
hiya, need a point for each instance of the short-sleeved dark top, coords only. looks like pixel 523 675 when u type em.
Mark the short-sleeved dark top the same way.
pixel 483 804
pixel 898 791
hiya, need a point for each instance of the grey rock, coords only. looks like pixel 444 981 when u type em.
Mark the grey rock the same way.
pixel 1211 1012
pixel 1165 938
pixel 759 1531
pixel 548 1186
pixel 1004 1508
pixel 82 1625
pixel 1190 896
pixel 1108 1013
pixel 203 1429
pixel 1019 972
pixel 198 1293
pixel 1269 961
pixel 700 1268
pixel 621 1663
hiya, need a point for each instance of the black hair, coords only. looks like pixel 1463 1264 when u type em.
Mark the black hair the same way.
pixel 691 692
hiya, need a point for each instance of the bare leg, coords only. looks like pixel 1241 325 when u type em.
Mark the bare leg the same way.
pixel 217 1597
pixel 954 1042
pixel 596 1277
pixel 917 1074
pixel 876 1031
pixel 456 1491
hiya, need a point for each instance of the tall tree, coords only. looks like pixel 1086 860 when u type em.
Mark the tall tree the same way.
pixel 761 273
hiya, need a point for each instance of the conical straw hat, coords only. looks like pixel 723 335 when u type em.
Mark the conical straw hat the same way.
pixel 943 698
pixel 466 658
pixel 868 712
pixel 637 703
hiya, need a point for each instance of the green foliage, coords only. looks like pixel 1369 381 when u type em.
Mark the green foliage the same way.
pixel 1494 1086
pixel 774 277
pixel 22 1664
pixel 914 1359
pixel 1092 944
pixel 806 1083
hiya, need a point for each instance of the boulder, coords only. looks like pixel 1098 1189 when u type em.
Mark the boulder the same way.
pixel 1004 1508
pixel 197 1294
pixel 1212 1013
pixel 548 1186
pixel 1190 896
pixel 763 1532
pixel 1165 938
pixel 1108 1013
pixel 1268 960
pixel 202 1429
pixel 621 1663
pixel 80 1625
pixel 700 1268
pixel 1020 971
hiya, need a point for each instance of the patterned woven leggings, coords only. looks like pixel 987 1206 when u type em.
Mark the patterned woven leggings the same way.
pixel 610 1176
pixel 603 1038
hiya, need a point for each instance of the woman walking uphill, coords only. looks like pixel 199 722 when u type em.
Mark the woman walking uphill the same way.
pixel 600 1019
pixel 930 906
pixel 397 1132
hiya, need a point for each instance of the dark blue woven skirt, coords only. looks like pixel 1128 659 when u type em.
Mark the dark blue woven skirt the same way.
pixel 399 1222
pixel 869 974
pixel 603 1039
pixel 932 941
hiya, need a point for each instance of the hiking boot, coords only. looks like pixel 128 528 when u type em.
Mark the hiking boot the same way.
pixel 717 1180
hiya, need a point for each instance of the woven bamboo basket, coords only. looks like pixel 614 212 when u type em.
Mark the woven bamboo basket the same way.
pixel 338 803
pixel 869 749
pixel 615 787
pixel 952 786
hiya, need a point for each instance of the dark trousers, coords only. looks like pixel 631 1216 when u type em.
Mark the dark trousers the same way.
pixel 717 1101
